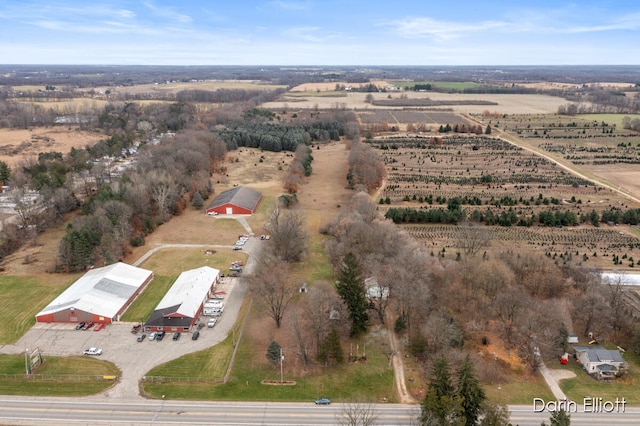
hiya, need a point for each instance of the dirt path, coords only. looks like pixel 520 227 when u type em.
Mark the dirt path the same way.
pixel 567 166
pixel 398 366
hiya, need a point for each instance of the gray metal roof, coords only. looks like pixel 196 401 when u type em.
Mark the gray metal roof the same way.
pixel 240 196
pixel 600 354
pixel 101 291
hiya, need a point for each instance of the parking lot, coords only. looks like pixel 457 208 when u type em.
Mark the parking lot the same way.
pixel 121 347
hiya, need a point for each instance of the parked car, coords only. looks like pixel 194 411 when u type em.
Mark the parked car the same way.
pixel 211 322
pixel 236 268
pixel 218 296
pixel 98 327
pixel 200 326
pixel 176 335
pixel 93 351
pixel 88 325
pixel 141 337
pixel 195 335
pixel 323 401
pixel 160 335
pixel 237 248
pixel 136 328
pixel 152 335
pixel 217 312
pixel 80 325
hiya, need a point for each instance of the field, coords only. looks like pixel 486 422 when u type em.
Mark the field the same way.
pixel 493 175
pixel 176 86
pixel 455 85
pixel 595 145
pixel 506 104
pixel 57 376
pixel 17 144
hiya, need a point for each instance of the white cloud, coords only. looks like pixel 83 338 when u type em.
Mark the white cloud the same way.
pixel 290 5
pixel 168 13
pixel 441 30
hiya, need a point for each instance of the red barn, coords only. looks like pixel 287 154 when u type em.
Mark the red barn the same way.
pixel 239 200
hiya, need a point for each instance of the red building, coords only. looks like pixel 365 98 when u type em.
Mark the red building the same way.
pixel 101 295
pixel 239 200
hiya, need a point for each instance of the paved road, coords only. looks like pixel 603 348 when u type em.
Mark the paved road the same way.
pixel 65 411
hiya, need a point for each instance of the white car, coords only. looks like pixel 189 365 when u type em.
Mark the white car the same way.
pixel 152 335
pixel 93 351
pixel 211 322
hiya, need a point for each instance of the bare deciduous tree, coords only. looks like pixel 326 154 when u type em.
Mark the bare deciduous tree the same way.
pixel 357 413
pixel 269 283
pixel 473 238
pixel 289 237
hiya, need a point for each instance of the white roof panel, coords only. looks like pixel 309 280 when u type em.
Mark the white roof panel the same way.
pixel 101 291
pixel 190 290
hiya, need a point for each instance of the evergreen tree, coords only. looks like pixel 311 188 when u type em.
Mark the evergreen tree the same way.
pixel 197 201
pixel 5 173
pixel 559 418
pixel 330 350
pixel 351 288
pixel 487 131
pixel 470 391
pixel 273 352
pixel 441 405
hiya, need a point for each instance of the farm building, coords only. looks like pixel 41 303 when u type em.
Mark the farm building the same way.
pixel 101 295
pixel 598 361
pixel 239 200
pixel 180 307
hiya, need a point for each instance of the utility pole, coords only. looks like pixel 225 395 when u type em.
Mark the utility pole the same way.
pixel 281 362
pixel 26 361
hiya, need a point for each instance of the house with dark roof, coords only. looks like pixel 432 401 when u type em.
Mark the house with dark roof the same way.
pixel 599 362
pixel 181 306
pixel 238 200
pixel 101 295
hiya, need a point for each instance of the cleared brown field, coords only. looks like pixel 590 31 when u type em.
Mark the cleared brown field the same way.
pixel 506 104
pixel 330 86
pixel 16 144
pixel 175 87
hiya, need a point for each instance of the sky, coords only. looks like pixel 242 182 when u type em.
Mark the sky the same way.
pixel 320 32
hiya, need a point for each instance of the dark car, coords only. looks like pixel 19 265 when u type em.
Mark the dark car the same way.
pixel 323 401
pixel 195 335
pixel 79 326
pixel 176 336
pixel 160 335
pixel 141 337
pixel 200 325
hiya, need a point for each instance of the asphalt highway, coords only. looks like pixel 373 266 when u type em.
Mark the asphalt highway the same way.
pixel 66 411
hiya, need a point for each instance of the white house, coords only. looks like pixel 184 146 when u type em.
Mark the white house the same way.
pixel 600 362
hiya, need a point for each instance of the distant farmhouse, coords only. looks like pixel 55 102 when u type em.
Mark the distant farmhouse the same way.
pixel 101 295
pixel 181 306
pixel 239 200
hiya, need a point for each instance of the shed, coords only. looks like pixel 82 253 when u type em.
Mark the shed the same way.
pixel 239 200
pixel 181 306
pixel 101 295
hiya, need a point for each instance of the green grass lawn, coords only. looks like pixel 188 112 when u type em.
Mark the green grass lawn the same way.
pixel 64 376
pixel 144 305
pixel 21 298
pixel 608 118
pixel 518 390
pixel 584 386
pixel 340 383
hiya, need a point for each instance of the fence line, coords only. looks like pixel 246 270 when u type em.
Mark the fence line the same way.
pixel 58 377
pixel 235 349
